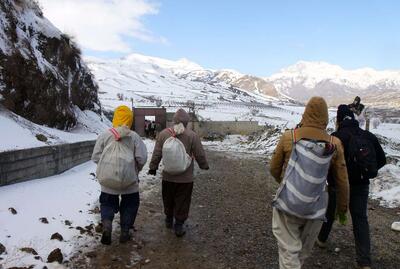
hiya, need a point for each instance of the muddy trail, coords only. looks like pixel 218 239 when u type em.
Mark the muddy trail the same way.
pixel 230 227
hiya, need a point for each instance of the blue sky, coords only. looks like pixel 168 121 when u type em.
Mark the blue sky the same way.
pixel 261 37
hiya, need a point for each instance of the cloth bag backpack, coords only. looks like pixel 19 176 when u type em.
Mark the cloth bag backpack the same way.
pixel 116 167
pixel 303 190
pixel 175 159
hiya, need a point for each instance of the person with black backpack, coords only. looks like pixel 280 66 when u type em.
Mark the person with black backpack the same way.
pixel 364 157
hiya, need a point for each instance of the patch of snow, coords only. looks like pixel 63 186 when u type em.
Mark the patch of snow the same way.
pixel 70 196
pixel 89 126
pixel 386 187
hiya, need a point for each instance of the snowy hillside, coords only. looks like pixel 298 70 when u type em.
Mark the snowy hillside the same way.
pixel 150 81
pixel 42 75
pixel 305 79
pixel 146 78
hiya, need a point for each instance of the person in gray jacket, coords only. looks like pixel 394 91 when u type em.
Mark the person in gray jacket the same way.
pixel 109 197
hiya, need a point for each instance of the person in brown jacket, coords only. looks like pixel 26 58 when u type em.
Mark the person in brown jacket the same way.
pixel 296 236
pixel 177 189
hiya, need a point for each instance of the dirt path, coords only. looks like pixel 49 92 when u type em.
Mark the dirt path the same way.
pixel 230 227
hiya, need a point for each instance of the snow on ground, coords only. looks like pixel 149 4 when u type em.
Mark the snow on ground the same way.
pixel 20 133
pixel 386 187
pixel 71 196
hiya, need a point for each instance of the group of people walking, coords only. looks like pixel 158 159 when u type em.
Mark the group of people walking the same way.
pixel 121 154
pixel 320 176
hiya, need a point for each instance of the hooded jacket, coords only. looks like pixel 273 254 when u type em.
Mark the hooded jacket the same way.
pixel 192 144
pixel 346 129
pixel 313 126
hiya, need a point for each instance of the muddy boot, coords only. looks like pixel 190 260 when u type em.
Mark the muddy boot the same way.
pixel 169 222
pixel 179 230
pixel 125 236
pixel 107 230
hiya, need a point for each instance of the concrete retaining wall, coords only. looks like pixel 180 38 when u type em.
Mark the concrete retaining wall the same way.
pixel 206 128
pixel 22 165
pixel 226 127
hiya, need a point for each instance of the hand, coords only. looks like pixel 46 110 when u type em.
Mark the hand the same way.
pixel 342 217
pixel 152 172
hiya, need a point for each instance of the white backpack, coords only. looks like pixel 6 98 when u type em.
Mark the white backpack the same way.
pixel 116 167
pixel 175 159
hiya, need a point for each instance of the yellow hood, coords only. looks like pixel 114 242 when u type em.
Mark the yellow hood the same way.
pixel 123 116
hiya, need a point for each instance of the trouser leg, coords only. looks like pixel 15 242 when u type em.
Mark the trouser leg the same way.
pixel 182 200
pixel 309 235
pixel 358 210
pixel 330 217
pixel 128 210
pixel 287 231
pixel 168 195
pixel 109 206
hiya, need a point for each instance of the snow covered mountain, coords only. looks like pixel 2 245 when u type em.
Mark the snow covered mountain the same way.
pixel 42 75
pixel 146 80
pixel 305 79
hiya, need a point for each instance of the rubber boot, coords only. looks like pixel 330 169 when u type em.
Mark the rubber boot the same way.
pixel 125 236
pixel 179 230
pixel 169 222
pixel 107 230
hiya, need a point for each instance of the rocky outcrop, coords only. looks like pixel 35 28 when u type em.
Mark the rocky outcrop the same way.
pixel 42 75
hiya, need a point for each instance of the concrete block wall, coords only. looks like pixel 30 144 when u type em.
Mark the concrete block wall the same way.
pixel 207 128
pixel 26 164
pixel 226 127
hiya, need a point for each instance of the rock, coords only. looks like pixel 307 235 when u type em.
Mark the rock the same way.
pixel 80 229
pixel 68 223
pixel 2 249
pixel 337 250
pixel 95 210
pixel 29 250
pixel 44 220
pixel 50 66
pixel 12 210
pixel 99 228
pixel 57 236
pixel 38 258
pixel 396 226
pixel 91 254
pixel 55 256
pixel 41 137
pixel 89 227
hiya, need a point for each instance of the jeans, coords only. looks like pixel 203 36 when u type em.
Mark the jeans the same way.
pixel 359 216
pixel 358 210
pixel 128 207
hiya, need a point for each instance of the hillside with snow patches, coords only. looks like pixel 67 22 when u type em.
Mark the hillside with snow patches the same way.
pixel 42 75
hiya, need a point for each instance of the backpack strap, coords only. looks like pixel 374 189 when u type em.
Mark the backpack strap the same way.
pixel 172 132
pixel 117 136
pixel 294 136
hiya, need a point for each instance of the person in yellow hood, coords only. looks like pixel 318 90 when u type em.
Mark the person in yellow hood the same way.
pixel 296 236
pixel 123 116
pixel 131 143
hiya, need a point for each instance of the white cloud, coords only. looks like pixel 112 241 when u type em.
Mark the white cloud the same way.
pixel 102 25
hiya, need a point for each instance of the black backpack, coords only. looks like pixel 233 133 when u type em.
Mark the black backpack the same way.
pixel 361 154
